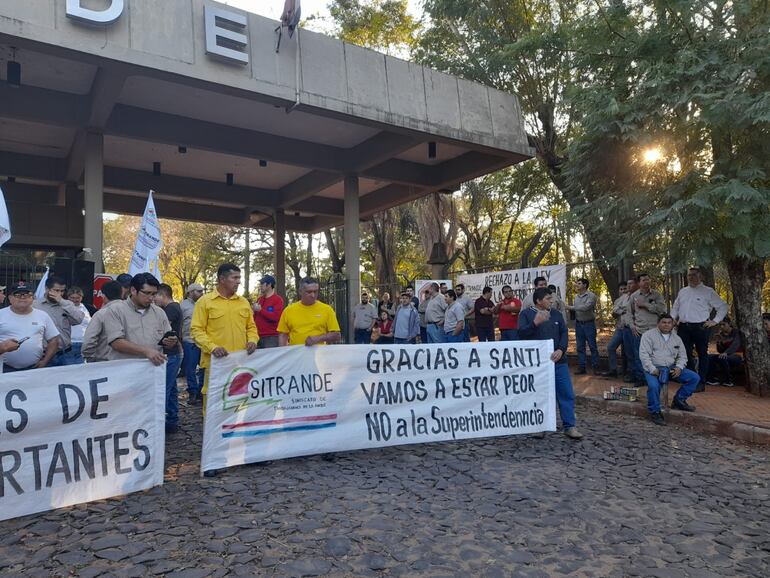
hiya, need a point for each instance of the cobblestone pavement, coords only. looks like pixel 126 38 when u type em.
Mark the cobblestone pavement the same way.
pixel 631 499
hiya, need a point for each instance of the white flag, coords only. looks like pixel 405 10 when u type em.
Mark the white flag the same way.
pixel 40 291
pixel 148 243
pixel 5 222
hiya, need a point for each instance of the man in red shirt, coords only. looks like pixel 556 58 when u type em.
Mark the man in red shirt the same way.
pixel 508 310
pixel 267 312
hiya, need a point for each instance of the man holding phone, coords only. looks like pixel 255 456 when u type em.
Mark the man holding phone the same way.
pixel 28 337
pixel 136 327
pixel 165 300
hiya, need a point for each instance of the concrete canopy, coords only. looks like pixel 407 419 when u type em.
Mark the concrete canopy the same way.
pixel 153 91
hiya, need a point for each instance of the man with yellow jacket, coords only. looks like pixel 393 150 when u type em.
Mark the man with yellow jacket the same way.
pixel 222 321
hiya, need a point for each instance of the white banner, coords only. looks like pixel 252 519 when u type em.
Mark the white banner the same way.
pixel 5 221
pixel 295 401
pixel 522 281
pixel 79 433
pixel 146 253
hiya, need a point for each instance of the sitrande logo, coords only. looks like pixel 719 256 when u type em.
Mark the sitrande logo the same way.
pixel 237 393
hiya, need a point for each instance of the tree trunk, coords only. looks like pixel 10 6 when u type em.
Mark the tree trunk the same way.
pixel 747 277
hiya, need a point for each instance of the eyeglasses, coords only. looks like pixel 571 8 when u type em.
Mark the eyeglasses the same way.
pixel 22 295
pixel 148 293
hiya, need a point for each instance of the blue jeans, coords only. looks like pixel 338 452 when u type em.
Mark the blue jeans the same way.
pixel 466 332
pixel 612 349
pixel 403 341
pixel 632 353
pixel 69 358
pixel 688 379
pixel 509 335
pixel 436 333
pixel 638 370
pixel 362 336
pixel 194 376
pixel 449 338
pixel 172 392
pixel 485 333
pixel 585 331
pixel 565 396
pixel 423 334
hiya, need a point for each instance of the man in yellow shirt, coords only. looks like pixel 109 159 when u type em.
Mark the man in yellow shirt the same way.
pixel 222 321
pixel 308 321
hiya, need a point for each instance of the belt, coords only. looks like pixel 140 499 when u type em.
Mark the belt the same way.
pixel 589 321
pixel 692 322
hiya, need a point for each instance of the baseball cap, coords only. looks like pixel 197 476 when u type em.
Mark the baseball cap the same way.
pixel 194 287
pixel 2 287
pixel 20 287
pixel 124 279
pixel 269 279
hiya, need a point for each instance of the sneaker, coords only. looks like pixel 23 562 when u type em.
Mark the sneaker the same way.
pixel 728 384
pixel 657 418
pixel 681 405
pixel 712 382
pixel 573 433
pixel 611 373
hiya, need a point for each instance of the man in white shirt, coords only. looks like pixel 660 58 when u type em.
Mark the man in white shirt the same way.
pixel 692 310
pixel 75 294
pixel 662 355
pixel 32 330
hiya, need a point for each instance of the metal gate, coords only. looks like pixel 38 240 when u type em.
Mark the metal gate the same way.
pixel 27 266
pixel 334 292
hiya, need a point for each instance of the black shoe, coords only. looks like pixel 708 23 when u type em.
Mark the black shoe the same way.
pixel 681 405
pixel 657 418
pixel 700 388
pixel 611 373
pixel 211 473
pixel 581 371
pixel 172 429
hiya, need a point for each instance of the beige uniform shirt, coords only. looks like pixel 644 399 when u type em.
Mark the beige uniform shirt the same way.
pixel 585 306
pixel 656 351
pixel 141 327
pixel 64 315
pixel 646 318
pixel 95 346
pixel 435 310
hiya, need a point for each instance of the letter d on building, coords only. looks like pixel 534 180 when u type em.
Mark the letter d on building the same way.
pixel 101 17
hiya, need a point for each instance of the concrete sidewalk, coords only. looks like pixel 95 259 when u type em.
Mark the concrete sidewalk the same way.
pixel 728 411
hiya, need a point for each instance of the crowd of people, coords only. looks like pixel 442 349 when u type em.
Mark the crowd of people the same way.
pixel 140 319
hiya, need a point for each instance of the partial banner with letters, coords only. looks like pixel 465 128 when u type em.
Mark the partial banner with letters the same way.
pixel 79 433
pixel 522 281
pixel 295 401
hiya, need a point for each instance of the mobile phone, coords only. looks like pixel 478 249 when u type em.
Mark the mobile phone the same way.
pixel 22 340
pixel 167 334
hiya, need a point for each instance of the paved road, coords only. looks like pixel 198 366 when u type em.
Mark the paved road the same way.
pixel 631 499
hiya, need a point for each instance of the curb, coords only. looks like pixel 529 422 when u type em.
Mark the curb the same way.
pixel 741 431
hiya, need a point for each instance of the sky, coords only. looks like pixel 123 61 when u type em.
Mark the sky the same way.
pixel 273 8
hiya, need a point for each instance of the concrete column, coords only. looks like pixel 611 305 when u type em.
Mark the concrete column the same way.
pixel 279 241
pixel 352 247
pixel 94 197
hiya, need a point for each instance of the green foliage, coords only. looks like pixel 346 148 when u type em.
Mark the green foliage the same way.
pixel 691 77
pixel 383 25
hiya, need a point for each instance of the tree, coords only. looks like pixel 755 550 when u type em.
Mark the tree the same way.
pixel 692 77
pixel 523 47
pixel 383 25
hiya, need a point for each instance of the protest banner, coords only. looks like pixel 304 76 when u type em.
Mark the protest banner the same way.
pixel 522 281
pixel 294 401
pixel 79 433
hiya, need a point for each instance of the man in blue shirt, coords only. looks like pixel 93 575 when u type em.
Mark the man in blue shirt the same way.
pixel 539 322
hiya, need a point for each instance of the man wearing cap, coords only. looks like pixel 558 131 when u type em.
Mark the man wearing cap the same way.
pixel 192 353
pixel 65 314
pixel 267 313
pixel 28 337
